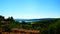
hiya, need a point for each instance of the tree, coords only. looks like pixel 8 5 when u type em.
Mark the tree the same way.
pixel 10 18
pixel 1 18
pixel 6 29
pixel 23 22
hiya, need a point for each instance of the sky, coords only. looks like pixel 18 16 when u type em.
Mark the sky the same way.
pixel 30 9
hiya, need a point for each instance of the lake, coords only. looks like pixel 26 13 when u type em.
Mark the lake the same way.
pixel 27 20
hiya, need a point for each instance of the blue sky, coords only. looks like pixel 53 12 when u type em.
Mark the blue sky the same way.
pixel 30 9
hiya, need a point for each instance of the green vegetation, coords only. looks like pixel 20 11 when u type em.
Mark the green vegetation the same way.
pixel 45 26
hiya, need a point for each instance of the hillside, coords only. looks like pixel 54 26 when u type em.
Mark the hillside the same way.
pixel 45 26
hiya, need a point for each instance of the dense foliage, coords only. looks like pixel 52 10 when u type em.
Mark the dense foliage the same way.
pixel 45 26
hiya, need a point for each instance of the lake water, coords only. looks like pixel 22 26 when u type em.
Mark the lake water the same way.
pixel 30 21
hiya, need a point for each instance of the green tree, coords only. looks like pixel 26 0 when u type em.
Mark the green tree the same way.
pixel 10 18
pixel 1 18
